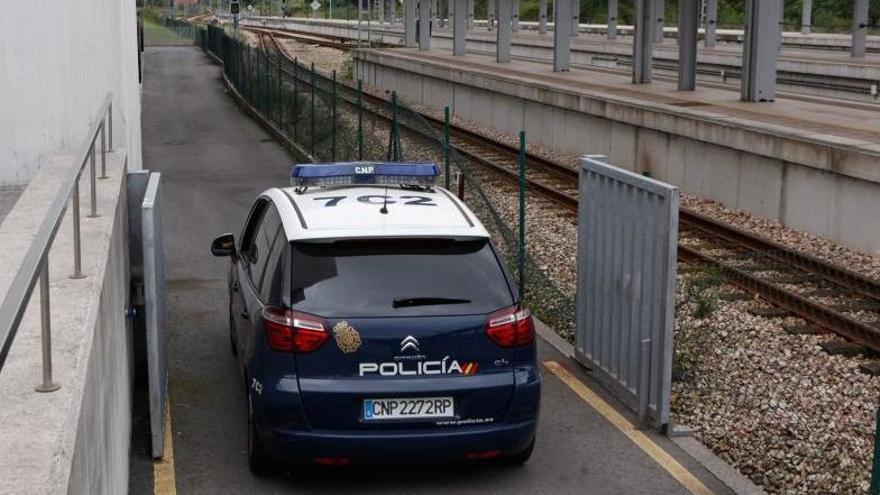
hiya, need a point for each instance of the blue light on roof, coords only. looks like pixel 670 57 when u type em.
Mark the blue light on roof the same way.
pixel 364 173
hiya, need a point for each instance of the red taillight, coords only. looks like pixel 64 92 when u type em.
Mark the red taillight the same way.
pixel 292 331
pixel 488 454
pixel 511 327
pixel 332 461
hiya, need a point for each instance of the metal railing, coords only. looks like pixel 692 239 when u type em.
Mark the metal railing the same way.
pixel 36 262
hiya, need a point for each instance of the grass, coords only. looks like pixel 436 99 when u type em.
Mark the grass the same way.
pixel 702 291
pixel 691 344
pixel 156 34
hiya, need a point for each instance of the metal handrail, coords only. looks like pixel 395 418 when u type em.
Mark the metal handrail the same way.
pixel 36 262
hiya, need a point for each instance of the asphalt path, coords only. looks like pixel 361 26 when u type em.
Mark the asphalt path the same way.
pixel 214 160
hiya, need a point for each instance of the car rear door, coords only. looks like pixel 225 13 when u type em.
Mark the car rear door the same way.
pixel 259 256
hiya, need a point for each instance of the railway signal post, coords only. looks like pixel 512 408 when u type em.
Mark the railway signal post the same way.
pixel 234 9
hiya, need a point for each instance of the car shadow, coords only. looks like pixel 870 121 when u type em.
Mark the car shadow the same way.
pixel 367 477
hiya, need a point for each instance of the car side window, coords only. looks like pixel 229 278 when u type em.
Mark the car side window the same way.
pixel 264 238
pixel 255 247
pixel 246 250
pixel 272 286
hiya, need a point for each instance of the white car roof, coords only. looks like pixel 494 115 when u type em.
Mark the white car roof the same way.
pixel 353 212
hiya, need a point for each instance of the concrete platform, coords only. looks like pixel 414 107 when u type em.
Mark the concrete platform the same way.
pixel 808 164
pixel 214 162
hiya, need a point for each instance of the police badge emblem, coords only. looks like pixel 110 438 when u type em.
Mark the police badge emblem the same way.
pixel 347 338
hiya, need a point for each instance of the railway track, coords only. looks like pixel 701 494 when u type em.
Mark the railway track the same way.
pixel 303 37
pixel 828 297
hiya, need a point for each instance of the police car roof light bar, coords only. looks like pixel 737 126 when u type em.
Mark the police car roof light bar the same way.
pixel 364 173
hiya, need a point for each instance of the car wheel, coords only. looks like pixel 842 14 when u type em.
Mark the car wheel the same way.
pixel 258 461
pixel 519 457
pixel 232 346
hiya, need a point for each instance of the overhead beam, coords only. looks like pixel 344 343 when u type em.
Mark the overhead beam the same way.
pixel 450 12
pixel 659 20
pixel 860 28
pixel 643 42
pixel 760 50
pixel 502 43
pixel 424 24
pixel 542 16
pixel 409 23
pixel 490 14
pixel 807 17
pixel 688 28
pixel 711 22
pixel 562 35
pixel 612 19
pixel 514 20
pixel 459 29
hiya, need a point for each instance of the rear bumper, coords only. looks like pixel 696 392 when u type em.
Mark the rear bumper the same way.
pixel 398 446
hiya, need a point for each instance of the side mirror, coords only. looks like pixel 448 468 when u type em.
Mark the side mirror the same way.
pixel 223 245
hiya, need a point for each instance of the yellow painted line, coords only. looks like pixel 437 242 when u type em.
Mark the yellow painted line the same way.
pixel 662 457
pixel 164 482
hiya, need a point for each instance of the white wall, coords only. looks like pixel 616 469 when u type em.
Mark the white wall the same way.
pixel 58 60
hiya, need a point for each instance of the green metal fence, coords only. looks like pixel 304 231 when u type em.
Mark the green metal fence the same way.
pixel 333 120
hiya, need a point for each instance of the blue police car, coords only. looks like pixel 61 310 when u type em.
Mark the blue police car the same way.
pixel 375 323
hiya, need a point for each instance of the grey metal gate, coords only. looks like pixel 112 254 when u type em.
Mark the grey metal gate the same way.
pixel 627 246
pixel 154 307
pixel 148 296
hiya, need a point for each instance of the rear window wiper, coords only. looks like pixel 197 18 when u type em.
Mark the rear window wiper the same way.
pixel 403 302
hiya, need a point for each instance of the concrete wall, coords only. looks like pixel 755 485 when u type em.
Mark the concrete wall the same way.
pixel 828 188
pixel 75 440
pixel 59 60
pixel 100 455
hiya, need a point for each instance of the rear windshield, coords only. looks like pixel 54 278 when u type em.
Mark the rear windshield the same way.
pixel 397 278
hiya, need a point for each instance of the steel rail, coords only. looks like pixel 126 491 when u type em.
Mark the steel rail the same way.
pixel 773 250
pixel 861 333
pixel 35 263
pixel 310 38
